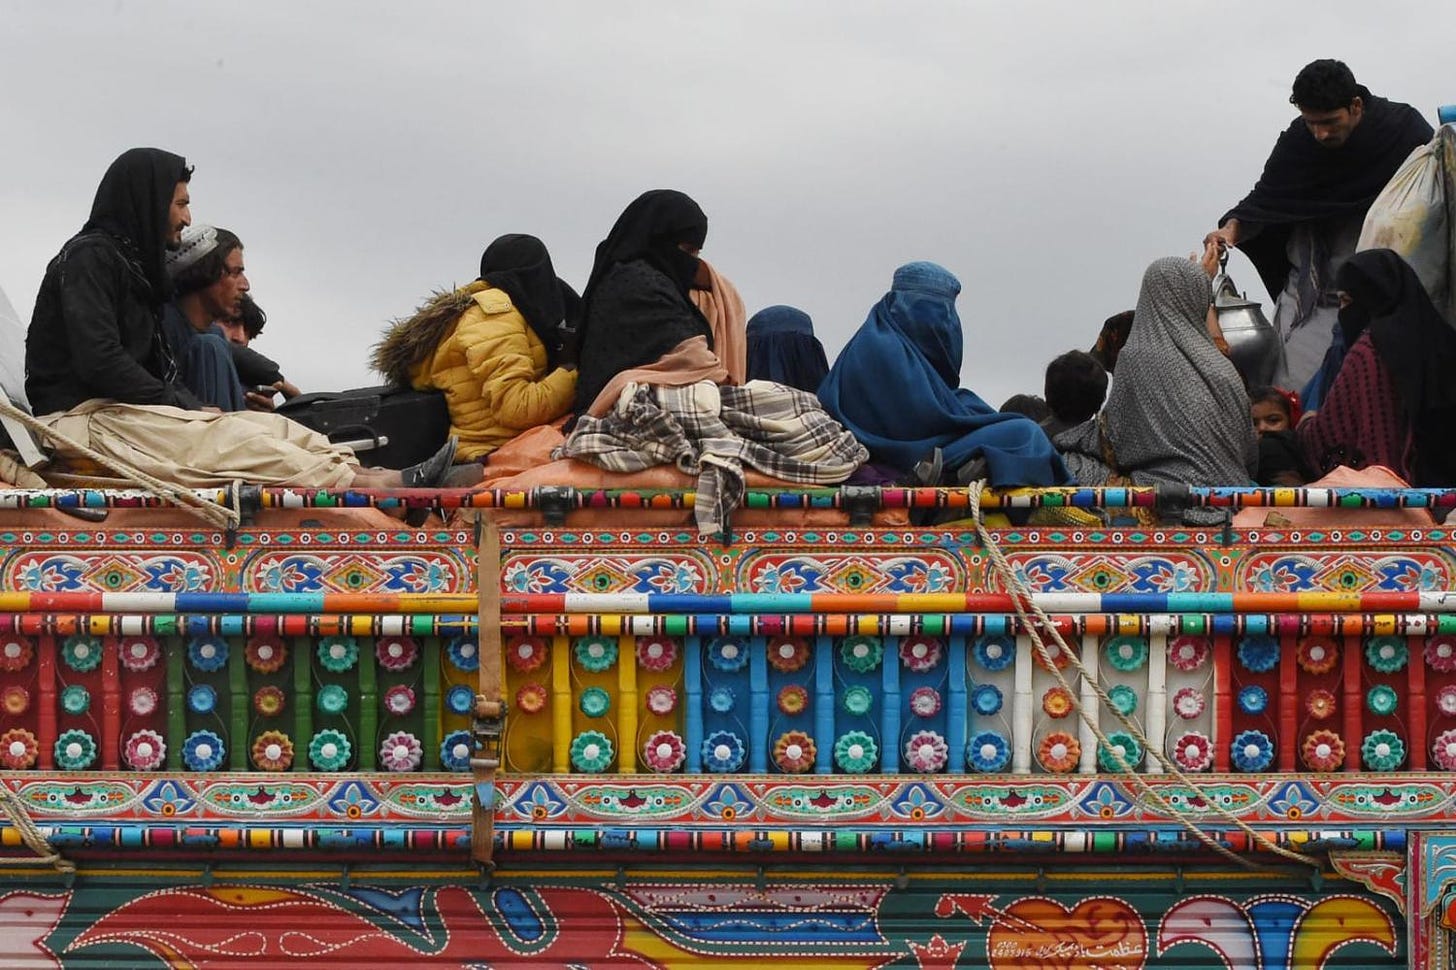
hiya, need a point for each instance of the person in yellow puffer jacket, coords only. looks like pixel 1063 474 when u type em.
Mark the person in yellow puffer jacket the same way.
pixel 496 347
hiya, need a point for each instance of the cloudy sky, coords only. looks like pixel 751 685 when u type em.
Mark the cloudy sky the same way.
pixel 367 152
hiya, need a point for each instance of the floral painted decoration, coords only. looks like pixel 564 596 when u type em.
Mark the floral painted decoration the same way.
pixel 592 752
pixel 464 653
pixel 1382 700
pixel 1446 700
pixel 1323 750
pixel 330 750
pixel 83 653
pixel 460 699
pixel 661 700
pixel 144 750
pixel 986 699
pixel 1320 703
pixel 396 653
pixel 201 699
pixel 1057 702
pixel 16 654
pixel 1058 656
pixel 921 654
pixel 1187 653
pixel 794 752
pixel 1253 700
pixel 988 751
pixel 656 653
pixel 664 751
pixel 1382 751
pixel 140 653
pixel 1124 699
pixel 994 652
pixel 1441 654
pixel 788 654
pixel 1443 749
pixel 1123 743
pixel 722 699
pixel 727 654
pixel 455 751
pixel 269 701
pixel 332 699
pixel 207 654
pixel 1251 751
pixel 272 751
pixel 1126 653
pixel 1387 654
pixel 926 751
pixel 1192 751
pixel 399 700
pixel 723 751
pixel 142 701
pixel 14 700
pixel 855 752
pixel 18 749
pixel 203 751
pixel 593 702
pixel 527 654
pixel 1189 702
pixel 1259 653
pixel 1059 752
pixel 925 702
pixel 862 654
pixel 400 751
pixel 532 698
pixel 792 699
pixel 266 655
pixel 857 701
pixel 75 699
pixel 1317 655
pixel 338 654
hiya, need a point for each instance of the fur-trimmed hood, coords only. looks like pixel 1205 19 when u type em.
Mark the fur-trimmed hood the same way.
pixel 408 341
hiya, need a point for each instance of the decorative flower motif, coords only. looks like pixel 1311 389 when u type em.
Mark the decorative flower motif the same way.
pixel 1253 700
pixel 16 654
pixel 1126 653
pixel 1387 654
pixel 1251 751
pixel 272 751
pixel 203 751
pixel 794 752
pixel 338 654
pixel 1188 653
pixel 1119 742
pixel 592 752
pixel 455 751
pixel 207 654
pixel 658 653
pixel 1446 700
pixel 596 654
pixel 862 654
pixel 266 655
pixel 399 700
pixel 140 653
pixel 858 701
pixel 82 653
pixel 201 699
pixel 18 749
pixel 1059 752
pixel 532 698
pixel 986 699
pixel 1188 702
pixel 144 750
pixel 1320 703
pixel 460 699
pixel 269 701
pixel 332 699
pixel 662 700
pixel 1059 657
pixel 400 751
pixel 664 751
pixel 925 702
pixel 75 699
pixel 527 654
pixel 1382 751
pixel 994 652
pixel 723 751
pixel 856 752
pixel 1193 751
pixel 1057 702
pixel 142 701
pixel 1323 751
pixel 1382 700
pixel 722 699
pixel 921 654
pixel 330 750
pixel 396 653
pixel 464 653
pixel 792 699
pixel 594 702
pixel 1259 654
pixel 926 751
pixel 1441 654
pixel 15 700
pixel 1317 655
pixel 788 654
pixel 1124 699
pixel 1443 749
pixel 988 751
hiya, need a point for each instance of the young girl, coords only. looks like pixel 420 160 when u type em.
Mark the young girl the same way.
pixel 1273 409
pixel 1275 412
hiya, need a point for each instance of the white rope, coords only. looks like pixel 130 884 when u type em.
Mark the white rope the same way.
pixel 15 811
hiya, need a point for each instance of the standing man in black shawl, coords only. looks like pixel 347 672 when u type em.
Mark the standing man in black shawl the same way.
pixel 1303 217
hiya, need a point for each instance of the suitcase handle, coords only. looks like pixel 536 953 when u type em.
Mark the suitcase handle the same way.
pixel 370 442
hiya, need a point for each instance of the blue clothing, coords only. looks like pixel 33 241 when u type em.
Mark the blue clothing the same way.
pixel 896 386
pixel 782 348
pixel 204 361
pixel 1319 385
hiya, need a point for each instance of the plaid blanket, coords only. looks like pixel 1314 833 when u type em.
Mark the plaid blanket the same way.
pixel 712 431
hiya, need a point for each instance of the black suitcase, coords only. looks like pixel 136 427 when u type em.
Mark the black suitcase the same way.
pixel 387 426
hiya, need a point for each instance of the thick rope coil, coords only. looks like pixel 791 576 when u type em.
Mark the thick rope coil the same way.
pixel 15 812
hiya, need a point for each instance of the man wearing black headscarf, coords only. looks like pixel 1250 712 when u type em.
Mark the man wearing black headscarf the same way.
pixel 94 333
pixel 1303 216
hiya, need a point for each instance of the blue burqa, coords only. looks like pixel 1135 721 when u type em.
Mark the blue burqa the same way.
pixel 782 348
pixel 896 386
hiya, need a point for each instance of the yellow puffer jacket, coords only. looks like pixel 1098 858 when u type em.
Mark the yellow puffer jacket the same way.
pixel 492 368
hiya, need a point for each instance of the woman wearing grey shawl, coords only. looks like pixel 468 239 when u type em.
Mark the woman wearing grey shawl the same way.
pixel 1177 413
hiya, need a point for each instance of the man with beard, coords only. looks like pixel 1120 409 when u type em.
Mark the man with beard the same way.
pixel 1303 217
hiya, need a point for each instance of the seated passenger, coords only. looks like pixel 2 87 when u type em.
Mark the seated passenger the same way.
pixel 494 347
pixel 1393 402
pixel 718 301
pixel 1273 409
pixel 1029 405
pixel 638 321
pixel 257 372
pixel 99 372
pixel 1177 413
pixel 1076 384
pixel 782 348
pixel 208 280
pixel 896 385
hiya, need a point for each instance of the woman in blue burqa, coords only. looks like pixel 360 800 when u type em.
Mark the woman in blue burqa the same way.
pixel 896 386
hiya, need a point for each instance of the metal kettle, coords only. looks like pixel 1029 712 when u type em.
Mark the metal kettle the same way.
pixel 1252 340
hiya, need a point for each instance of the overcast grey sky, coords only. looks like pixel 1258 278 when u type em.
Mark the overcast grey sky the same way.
pixel 367 152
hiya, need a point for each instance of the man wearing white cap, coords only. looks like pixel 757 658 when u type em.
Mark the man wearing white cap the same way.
pixel 209 280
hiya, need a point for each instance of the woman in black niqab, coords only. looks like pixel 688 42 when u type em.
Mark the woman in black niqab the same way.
pixel 132 205
pixel 520 265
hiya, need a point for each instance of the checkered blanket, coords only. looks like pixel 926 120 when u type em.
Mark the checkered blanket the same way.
pixel 712 431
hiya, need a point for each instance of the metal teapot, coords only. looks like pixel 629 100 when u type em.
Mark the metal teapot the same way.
pixel 1252 340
